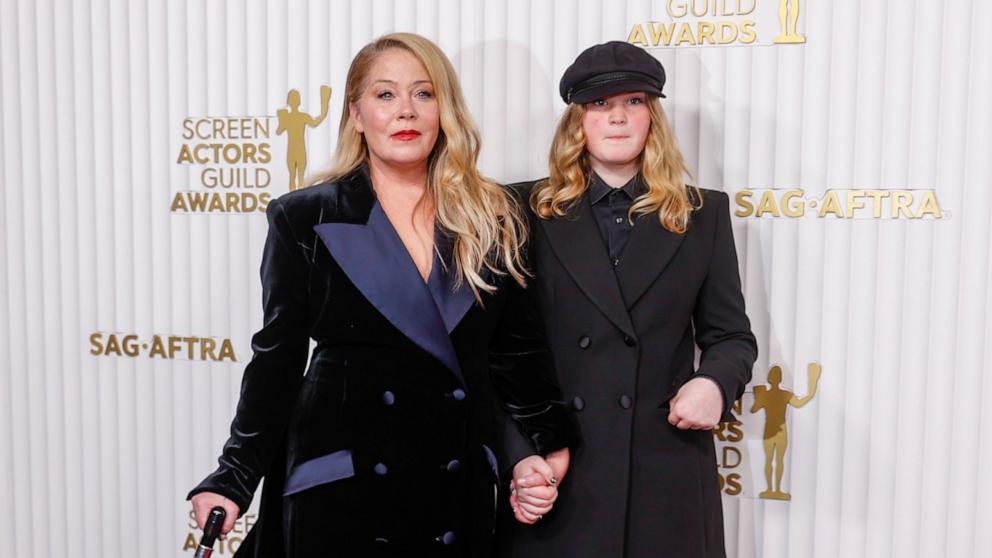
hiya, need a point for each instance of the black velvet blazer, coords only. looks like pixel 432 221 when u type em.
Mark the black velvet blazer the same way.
pixel 393 436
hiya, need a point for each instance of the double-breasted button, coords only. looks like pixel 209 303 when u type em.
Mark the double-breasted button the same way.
pixel 629 341
pixel 388 398
pixel 578 403
pixel 453 466
pixel 625 401
pixel 447 538
pixel 380 469
pixel 458 394
pixel 584 342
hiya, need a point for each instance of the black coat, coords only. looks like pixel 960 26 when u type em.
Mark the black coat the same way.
pixel 387 444
pixel 624 342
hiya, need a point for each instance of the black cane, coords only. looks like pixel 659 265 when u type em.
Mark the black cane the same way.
pixel 210 532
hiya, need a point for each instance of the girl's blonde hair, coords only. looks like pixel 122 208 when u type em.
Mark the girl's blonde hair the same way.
pixel 662 169
pixel 481 217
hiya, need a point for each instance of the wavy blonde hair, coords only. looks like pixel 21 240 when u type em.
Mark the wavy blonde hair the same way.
pixel 662 168
pixel 480 216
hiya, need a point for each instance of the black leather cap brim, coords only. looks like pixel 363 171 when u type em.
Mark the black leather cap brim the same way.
pixel 581 95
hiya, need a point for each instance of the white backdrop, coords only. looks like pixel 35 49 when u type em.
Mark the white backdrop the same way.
pixel 860 162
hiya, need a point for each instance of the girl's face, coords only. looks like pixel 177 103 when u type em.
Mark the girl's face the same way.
pixel 398 113
pixel 616 128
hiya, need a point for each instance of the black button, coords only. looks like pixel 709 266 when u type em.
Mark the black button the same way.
pixel 447 538
pixel 619 220
pixel 584 342
pixel 625 401
pixel 458 394
pixel 454 466
pixel 380 469
pixel 578 403
pixel 381 541
pixel 388 398
pixel 630 341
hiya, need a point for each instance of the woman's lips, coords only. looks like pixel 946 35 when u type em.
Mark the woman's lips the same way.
pixel 406 135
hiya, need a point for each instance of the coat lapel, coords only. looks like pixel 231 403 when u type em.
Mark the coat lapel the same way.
pixel 577 242
pixel 645 256
pixel 374 258
pixel 451 302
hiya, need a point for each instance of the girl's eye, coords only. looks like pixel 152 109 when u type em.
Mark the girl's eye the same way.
pixel 599 103
pixel 635 100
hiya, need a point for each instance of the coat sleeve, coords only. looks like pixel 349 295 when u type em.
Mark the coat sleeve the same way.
pixel 722 329
pixel 534 417
pixel 272 379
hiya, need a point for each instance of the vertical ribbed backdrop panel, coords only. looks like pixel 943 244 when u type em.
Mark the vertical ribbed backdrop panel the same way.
pixel 116 303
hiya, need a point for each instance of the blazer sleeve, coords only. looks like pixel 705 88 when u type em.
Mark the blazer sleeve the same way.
pixel 535 419
pixel 722 329
pixel 272 379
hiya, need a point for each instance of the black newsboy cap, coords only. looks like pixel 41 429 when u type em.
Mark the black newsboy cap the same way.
pixel 608 69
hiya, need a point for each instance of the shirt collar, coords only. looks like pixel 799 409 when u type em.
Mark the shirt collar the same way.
pixel 598 189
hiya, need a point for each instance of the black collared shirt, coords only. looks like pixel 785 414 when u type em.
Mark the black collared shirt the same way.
pixel 610 207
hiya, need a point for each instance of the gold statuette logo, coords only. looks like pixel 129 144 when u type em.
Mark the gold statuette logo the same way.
pixel 294 122
pixel 776 401
pixel 788 17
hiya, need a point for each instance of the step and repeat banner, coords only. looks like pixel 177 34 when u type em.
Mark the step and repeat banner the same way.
pixel 142 142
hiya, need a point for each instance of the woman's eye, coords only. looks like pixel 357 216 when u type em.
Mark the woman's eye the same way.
pixel 599 103
pixel 385 95
pixel 635 100
pixel 423 94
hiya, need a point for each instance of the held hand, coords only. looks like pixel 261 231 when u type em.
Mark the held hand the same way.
pixel 533 489
pixel 558 460
pixel 205 501
pixel 697 405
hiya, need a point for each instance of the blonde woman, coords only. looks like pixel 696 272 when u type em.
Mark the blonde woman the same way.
pixel 404 267
pixel 635 270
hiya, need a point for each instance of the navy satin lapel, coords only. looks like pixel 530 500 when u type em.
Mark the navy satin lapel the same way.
pixel 376 261
pixel 452 303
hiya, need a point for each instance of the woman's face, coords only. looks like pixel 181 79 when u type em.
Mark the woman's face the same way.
pixel 616 128
pixel 397 113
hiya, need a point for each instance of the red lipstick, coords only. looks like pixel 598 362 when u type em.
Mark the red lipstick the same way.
pixel 406 135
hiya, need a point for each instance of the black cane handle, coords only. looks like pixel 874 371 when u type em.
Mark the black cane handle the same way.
pixel 210 532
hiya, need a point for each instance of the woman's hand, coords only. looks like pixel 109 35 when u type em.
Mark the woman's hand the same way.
pixel 534 487
pixel 558 460
pixel 206 501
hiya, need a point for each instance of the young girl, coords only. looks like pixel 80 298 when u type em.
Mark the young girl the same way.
pixel 635 270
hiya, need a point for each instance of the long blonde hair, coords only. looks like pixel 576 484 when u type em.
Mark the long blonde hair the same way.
pixel 480 216
pixel 662 168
